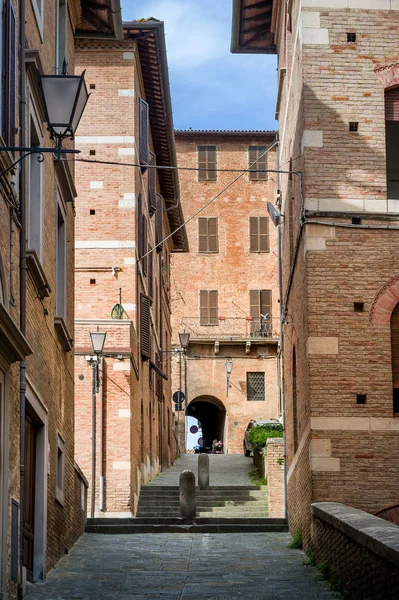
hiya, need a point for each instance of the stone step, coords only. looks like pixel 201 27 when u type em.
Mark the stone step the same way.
pixel 115 526
pixel 177 520
pixel 205 501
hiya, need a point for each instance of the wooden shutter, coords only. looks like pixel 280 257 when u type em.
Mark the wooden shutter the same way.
pixel 140 246
pixel 254 153
pixel 207 161
pixel 145 336
pixel 266 303
pixel 264 240
pixel 209 307
pixel 203 234
pixel 395 346
pixel 159 223
pixel 254 304
pixel 392 105
pixel 150 274
pixel 143 140
pixel 144 262
pixel 254 234
pixel 152 192
pixel 9 74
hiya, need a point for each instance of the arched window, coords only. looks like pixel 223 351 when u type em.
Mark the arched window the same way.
pixel 392 148
pixel 395 357
pixel 294 401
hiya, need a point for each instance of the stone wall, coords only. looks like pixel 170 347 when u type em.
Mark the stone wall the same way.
pixel 357 551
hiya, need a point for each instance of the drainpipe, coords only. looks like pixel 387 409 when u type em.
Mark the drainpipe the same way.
pixel 282 319
pixel 22 275
pixel 101 425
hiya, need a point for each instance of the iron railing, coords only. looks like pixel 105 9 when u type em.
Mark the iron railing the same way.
pixel 232 328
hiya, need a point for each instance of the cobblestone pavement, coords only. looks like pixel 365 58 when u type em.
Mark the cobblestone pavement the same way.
pixel 182 566
pixel 224 470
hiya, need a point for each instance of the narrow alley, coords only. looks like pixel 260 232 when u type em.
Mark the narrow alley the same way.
pixel 181 566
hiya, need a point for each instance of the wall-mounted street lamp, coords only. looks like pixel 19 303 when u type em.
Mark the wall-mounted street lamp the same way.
pixel 65 98
pixel 184 339
pixel 97 343
pixel 229 368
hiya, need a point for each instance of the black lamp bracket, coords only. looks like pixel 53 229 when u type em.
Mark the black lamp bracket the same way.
pixel 57 151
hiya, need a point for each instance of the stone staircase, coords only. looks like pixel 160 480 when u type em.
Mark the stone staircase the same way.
pixel 212 502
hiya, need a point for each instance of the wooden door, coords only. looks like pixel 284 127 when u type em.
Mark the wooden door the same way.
pixel 29 495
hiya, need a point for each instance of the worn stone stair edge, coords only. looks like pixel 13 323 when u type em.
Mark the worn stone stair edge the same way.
pixel 177 520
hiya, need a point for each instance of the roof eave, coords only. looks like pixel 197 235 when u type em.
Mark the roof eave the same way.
pixel 117 31
pixel 236 47
pixel 176 213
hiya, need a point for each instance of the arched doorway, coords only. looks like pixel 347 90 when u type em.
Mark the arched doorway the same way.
pixel 210 414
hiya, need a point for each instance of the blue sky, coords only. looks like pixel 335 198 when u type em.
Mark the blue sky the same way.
pixel 211 88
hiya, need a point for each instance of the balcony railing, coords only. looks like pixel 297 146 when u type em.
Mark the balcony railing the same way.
pixel 233 328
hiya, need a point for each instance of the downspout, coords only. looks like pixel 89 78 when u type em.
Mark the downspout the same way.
pixel 282 319
pixel 22 275
pixel 161 339
pixel 101 425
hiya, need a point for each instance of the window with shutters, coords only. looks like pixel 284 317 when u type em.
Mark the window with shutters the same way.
pixel 61 35
pixel 395 357
pixel 159 223
pixel 9 73
pixel 261 312
pixel 257 162
pixel 144 261
pixel 209 312
pixel 61 274
pixel 143 132
pixel 391 141
pixel 208 234
pixel 259 234
pixel 256 386
pixel 152 192
pixel 145 334
pixel 35 187
pixel 207 163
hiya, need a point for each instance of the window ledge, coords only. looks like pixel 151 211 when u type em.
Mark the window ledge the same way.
pixel 59 496
pixel 37 273
pixel 13 345
pixel 63 333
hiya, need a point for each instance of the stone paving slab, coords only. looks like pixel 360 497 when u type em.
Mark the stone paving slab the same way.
pixel 181 567
pixel 224 470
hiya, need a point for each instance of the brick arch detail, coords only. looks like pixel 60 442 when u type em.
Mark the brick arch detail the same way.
pixel 384 303
pixel 388 75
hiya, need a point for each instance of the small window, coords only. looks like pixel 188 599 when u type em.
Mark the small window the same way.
pixel 92 211
pixel 353 126
pixel 208 234
pixel 60 470
pixel 257 163
pixel 351 37
pixel 356 221
pixel 358 307
pixel 209 307
pixel 61 36
pixel 361 398
pixel 92 282
pixel 92 86
pixel 92 153
pixel 207 163
pixel 256 386
pixel 259 234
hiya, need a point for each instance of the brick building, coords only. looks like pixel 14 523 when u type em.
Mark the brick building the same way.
pixel 37 295
pixel 225 291
pixel 338 114
pixel 122 214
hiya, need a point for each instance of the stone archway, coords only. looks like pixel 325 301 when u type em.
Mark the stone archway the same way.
pixel 211 415
pixel 384 303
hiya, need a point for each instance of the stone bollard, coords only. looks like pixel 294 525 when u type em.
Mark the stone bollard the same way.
pixel 203 470
pixel 188 510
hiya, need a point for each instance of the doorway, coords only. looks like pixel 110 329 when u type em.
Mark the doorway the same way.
pixel 28 532
pixel 210 414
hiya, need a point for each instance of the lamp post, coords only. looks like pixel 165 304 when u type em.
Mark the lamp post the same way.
pixel 64 98
pixel 229 368
pixel 184 339
pixel 97 342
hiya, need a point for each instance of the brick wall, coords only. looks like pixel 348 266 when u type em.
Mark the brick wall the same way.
pixel 233 271
pixel 275 477
pixel 358 552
